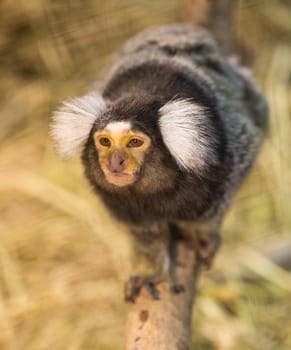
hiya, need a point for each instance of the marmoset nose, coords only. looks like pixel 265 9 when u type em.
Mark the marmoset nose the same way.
pixel 117 162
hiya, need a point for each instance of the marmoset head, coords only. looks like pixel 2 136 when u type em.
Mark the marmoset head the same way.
pixel 121 150
pixel 136 139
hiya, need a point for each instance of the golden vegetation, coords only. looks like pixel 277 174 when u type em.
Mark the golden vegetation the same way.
pixel 63 260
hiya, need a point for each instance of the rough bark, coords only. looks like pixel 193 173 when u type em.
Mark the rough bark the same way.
pixel 165 324
pixel 221 24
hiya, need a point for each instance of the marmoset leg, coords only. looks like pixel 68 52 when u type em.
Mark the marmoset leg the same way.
pixel 152 262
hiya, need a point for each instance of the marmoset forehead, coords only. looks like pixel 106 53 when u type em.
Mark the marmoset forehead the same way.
pixel 118 127
pixel 121 128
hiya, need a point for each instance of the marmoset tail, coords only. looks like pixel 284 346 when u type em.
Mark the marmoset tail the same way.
pixel 166 138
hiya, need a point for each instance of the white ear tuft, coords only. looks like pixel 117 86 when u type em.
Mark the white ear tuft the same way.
pixel 188 134
pixel 73 122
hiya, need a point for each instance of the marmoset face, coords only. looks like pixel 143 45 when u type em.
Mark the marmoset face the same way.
pixel 121 152
pixel 136 140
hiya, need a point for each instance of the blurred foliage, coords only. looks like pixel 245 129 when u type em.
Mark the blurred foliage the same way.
pixel 63 259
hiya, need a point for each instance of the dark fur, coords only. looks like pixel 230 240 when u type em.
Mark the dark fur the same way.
pixel 144 76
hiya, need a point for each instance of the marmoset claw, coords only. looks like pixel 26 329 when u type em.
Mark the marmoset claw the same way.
pixel 177 288
pixel 134 285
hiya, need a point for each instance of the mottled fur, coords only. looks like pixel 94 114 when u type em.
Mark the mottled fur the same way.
pixel 163 66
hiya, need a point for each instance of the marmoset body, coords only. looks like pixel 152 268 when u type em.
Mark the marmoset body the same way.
pixel 166 137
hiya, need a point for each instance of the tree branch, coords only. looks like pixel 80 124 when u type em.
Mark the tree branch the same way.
pixel 221 24
pixel 165 324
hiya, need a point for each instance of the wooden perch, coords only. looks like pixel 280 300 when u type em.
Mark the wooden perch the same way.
pixel 221 24
pixel 165 324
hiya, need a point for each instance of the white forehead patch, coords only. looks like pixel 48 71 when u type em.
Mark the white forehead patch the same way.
pixel 73 122
pixel 188 134
pixel 118 127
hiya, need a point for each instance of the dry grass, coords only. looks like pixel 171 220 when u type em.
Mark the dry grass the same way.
pixel 62 258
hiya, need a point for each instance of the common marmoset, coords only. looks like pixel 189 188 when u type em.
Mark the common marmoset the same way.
pixel 166 137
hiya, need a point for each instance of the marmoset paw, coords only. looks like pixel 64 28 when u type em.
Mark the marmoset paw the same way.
pixel 177 288
pixel 206 245
pixel 134 285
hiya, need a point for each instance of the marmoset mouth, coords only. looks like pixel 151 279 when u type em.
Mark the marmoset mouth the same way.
pixel 119 179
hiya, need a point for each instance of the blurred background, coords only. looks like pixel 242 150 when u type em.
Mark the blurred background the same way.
pixel 63 259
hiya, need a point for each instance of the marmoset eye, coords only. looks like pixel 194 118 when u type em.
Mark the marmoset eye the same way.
pixel 134 142
pixel 104 141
